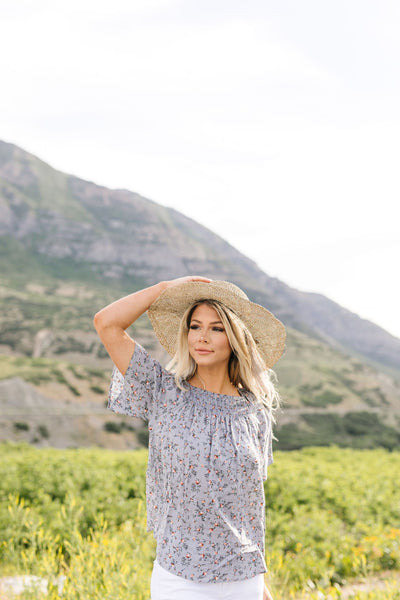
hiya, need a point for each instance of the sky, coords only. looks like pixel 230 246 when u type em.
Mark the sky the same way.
pixel 274 123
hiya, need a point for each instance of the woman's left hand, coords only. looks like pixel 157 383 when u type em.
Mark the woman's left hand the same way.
pixel 267 594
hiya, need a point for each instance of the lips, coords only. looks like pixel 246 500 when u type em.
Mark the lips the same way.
pixel 203 351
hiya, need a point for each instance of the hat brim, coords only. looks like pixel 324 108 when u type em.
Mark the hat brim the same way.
pixel 167 311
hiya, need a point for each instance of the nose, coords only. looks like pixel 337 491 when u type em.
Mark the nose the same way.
pixel 203 336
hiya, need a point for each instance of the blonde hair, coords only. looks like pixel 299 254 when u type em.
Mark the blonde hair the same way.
pixel 246 368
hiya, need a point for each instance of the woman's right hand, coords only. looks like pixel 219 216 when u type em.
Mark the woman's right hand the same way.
pixel 186 279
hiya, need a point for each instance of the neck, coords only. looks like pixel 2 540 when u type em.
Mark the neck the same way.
pixel 216 382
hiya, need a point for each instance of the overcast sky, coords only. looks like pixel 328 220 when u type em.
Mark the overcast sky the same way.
pixel 274 123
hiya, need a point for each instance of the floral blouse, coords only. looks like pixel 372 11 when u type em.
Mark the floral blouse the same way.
pixel 208 458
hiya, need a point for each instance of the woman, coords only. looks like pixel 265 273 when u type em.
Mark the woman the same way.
pixel 210 430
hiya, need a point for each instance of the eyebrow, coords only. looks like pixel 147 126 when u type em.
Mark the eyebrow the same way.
pixel 212 323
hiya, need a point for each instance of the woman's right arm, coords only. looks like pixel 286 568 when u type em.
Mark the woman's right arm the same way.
pixel 112 321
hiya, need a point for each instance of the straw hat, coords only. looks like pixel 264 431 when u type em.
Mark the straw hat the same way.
pixel 167 311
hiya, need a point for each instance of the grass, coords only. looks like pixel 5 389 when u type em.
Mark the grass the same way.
pixel 331 517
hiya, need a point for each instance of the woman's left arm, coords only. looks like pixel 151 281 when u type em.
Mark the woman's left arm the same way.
pixel 267 594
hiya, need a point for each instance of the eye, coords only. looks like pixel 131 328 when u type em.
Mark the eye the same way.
pixel 193 326
pixel 221 329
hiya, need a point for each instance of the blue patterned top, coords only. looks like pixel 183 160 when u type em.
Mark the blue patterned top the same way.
pixel 208 458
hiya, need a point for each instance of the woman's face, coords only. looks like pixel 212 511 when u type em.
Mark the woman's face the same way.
pixel 207 340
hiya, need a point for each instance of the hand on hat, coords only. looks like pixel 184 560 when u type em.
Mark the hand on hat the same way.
pixel 186 279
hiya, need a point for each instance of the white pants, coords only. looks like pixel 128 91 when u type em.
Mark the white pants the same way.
pixel 167 586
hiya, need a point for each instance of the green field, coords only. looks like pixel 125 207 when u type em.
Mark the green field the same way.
pixel 333 515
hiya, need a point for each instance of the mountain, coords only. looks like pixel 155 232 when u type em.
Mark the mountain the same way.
pixel 57 224
pixel 68 246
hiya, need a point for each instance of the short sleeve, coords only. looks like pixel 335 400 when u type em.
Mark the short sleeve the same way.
pixel 268 455
pixel 134 394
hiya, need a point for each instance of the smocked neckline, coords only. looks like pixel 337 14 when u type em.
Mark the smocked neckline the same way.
pixel 196 388
pixel 222 403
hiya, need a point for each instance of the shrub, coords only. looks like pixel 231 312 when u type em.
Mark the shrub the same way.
pixel 21 426
pixel 43 431
pixel 113 427
pixel 97 389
